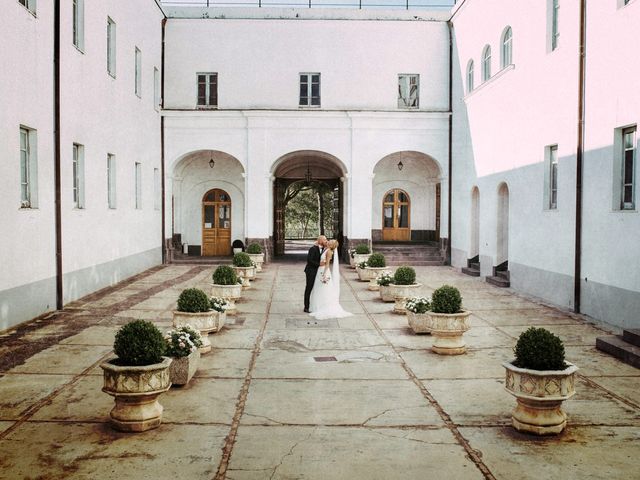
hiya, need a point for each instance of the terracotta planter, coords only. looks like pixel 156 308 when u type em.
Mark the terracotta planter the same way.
pixel 400 294
pixel 183 369
pixel 258 259
pixel 371 275
pixel 540 394
pixel 204 322
pixel 419 322
pixel 136 391
pixel 246 274
pixel 447 330
pixel 386 294
pixel 230 293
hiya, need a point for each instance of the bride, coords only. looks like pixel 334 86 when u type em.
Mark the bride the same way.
pixel 325 296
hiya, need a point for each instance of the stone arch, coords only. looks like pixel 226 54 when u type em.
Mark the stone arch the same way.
pixel 502 232
pixel 474 238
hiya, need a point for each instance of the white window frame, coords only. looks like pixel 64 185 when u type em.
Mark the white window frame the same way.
pixel 138 72
pixel 506 50
pixel 486 63
pixel 553 177
pixel 138 185
pixel 111 47
pixel 156 88
pixel 78 176
pixel 111 181
pixel 156 189
pixel 78 24
pixel 470 76
pixel 406 81
pixel 28 168
pixel 30 5
pixel 628 147
pixel 306 82
pixel 208 76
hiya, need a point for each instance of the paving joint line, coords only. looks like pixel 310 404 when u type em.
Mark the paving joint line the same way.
pixel 230 440
pixel 463 442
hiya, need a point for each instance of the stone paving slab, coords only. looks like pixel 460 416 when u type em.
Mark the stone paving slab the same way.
pixel 321 453
pixel 5 425
pixel 534 315
pixel 19 392
pixel 98 335
pixel 320 339
pixel 66 359
pixel 479 363
pixel 221 362
pixel 570 335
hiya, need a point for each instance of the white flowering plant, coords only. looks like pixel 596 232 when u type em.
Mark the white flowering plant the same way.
pixel 361 265
pixel 218 304
pixel 418 305
pixel 385 278
pixel 182 340
pixel 352 252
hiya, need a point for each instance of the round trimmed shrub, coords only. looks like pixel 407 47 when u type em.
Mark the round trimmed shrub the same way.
pixel 362 249
pixel 139 343
pixel 446 299
pixel 254 249
pixel 539 349
pixel 242 259
pixel 225 275
pixel 193 300
pixel 376 260
pixel 404 276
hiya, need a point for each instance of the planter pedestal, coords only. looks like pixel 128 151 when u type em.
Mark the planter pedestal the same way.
pixel 539 396
pixel 400 294
pixel 246 274
pixel 230 293
pixel 136 391
pixel 385 293
pixel 419 322
pixel 447 330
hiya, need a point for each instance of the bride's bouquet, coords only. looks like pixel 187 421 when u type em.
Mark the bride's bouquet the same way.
pixel 326 278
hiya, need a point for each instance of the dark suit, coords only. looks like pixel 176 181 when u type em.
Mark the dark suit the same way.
pixel 311 270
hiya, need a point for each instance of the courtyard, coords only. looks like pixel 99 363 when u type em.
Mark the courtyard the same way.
pixel 285 397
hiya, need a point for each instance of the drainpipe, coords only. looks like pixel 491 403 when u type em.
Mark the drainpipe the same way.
pixel 580 156
pixel 56 153
pixel 162 184
pixel 450 181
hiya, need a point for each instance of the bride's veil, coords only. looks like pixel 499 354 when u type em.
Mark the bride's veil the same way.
pixel 335 273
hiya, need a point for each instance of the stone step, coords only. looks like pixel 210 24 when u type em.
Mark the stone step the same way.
pixel 615 345
pixel 498 281
pixel 503 274
pixel 632 336
pixel 471 271
pixel 417 263
pixel 475 266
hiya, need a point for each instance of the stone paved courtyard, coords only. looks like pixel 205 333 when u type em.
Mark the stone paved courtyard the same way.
pixel 262 407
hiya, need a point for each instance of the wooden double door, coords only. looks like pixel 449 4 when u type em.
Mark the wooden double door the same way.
pixel 216 223
pixel 396 216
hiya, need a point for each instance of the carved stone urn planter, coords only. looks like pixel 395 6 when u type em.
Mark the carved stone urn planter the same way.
pixel 371 274
pixel 540 394
pixel 386 294
pixel 136 391
pixel 360 257
pixel 246 274
pixel 447 330
pixel 230 293
pixel 419 322
pixel 204 322
pixel 258 259
pixel 400 294
pixel 183 369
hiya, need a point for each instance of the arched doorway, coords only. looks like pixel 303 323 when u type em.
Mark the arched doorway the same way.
pixel 396 216
pixel 305 171
pixel 474 241
pixel 216 223
pixel 502 244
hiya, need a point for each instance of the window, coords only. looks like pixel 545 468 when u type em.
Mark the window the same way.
pixel 207 90
pixel 78 24
pixel 138 72
pixel 553 177
pixel 309 89
pixel 28 169
pixel 486 63
pixel 29 5
pixel 408 90
pixel 555 31
pixel 507 48
pixel 111 47
pixel 628 168
pixel 138 185
pixel 470 76
pixel 78 176
pixel 156 88
pixel 111 181
pixel 156 189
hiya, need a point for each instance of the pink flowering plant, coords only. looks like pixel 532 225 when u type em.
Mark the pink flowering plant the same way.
pixel 182 341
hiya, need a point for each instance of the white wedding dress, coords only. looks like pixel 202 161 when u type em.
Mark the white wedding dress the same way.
pixel 325 297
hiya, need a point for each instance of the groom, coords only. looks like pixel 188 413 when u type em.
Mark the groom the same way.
pixel 313 263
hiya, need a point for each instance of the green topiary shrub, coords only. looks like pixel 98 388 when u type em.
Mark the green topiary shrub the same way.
pixel 241 259
pixel 139 343
pixel 362 249
pixel 404 276
pixel 376 260
pixel 225 275
pixel 446 299
pixel 539 349
pixel 254 249
pixel 193 300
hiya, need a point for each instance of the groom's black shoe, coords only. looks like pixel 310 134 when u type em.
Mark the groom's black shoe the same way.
pixel 306 310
